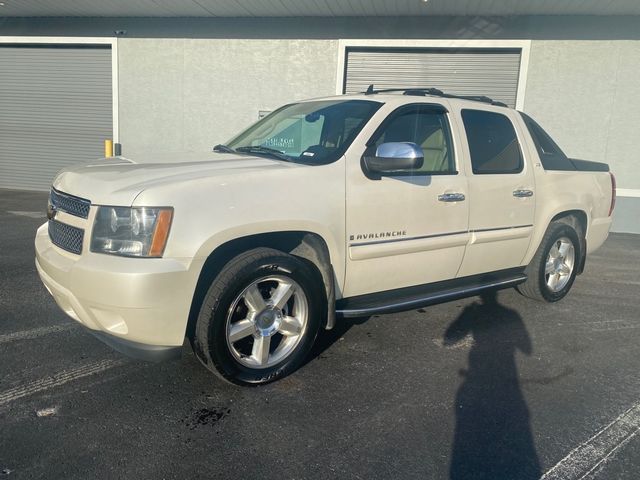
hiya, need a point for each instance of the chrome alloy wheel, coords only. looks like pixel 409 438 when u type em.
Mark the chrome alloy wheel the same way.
pixel 559 265
pixel 266 321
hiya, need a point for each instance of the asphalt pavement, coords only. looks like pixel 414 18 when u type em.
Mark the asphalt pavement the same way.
pixel 480 388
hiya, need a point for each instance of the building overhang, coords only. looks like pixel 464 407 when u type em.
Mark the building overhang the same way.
pixel 310 8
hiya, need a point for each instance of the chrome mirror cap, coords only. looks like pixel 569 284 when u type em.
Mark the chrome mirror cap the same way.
pixel 395 158
pixel 399 150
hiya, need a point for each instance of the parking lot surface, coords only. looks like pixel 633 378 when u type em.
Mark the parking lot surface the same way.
pixel 480 388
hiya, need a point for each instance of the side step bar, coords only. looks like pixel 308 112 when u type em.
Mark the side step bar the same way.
pixel 392 301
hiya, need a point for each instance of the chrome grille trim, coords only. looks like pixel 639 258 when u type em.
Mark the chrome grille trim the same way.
pixel 66 237
pixel 70 204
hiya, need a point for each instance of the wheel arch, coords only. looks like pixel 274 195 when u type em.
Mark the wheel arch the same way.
pixel 578 219
pixel 306 245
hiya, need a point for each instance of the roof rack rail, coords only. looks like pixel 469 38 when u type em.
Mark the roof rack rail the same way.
pixel 436 93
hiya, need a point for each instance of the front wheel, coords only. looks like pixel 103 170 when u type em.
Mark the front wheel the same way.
pixel 260 317
pixel 553 269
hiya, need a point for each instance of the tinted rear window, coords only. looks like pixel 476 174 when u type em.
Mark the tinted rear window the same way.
pixel 492 142
pixel 551 156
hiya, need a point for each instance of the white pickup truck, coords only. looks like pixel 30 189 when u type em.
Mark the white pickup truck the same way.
pixel 345 206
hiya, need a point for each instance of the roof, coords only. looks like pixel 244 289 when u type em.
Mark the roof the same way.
pixel 311 8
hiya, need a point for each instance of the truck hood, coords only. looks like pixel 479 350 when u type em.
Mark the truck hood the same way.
pixel 119 180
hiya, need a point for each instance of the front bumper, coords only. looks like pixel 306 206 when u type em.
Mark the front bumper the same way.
pixel 138 306
pixel 140 351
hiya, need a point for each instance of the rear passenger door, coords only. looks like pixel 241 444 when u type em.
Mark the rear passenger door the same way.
pixel 501 191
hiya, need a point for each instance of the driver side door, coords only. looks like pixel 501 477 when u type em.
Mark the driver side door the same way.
pixel 402 228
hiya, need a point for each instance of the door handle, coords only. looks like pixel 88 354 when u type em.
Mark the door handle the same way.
pixel 522 193
pixel 451 197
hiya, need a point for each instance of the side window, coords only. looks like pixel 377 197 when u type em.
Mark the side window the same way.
pixel 551 156
pixel 426 127
pixel 492 142
pixel 543 142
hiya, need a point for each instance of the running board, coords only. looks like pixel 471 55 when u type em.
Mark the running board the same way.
pixel 392 301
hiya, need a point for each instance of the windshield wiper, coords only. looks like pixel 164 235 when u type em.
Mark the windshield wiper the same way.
pixel 223 148
pixel 258 149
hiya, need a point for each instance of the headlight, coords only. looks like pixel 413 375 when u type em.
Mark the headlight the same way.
pixel 132 232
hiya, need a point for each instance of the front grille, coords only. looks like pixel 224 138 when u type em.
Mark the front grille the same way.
pixel 68 203
pixel 66 237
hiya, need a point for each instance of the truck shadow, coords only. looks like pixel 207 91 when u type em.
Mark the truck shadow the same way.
pixel 493 438
pixel 326 338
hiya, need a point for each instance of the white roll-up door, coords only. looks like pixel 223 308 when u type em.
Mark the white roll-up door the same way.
pixel 55 110
pixel 490 72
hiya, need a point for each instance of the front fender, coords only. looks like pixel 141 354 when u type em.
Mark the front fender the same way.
pixel 336 249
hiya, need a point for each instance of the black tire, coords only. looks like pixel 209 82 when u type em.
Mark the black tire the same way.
pixel 210 340
pixel 536 285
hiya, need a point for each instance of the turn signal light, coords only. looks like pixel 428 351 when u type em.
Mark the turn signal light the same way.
pixel 161 233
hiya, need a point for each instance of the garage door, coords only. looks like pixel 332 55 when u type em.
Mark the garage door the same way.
pixel 55 110
pixel 491 72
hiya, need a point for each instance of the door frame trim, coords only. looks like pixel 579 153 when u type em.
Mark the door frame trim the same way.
pixel 112 41
pixel 523 45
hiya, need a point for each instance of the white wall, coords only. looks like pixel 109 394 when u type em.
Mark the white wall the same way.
pixel 189 94
pixel 586 95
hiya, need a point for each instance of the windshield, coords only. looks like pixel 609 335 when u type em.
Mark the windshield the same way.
pixel 316 132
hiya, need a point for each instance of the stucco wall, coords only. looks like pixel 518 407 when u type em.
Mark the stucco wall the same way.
pixel 186 94
pixel 586 95
pixel 188 83
pixel 189 94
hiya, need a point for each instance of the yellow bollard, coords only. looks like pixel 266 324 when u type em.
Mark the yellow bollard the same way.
pixel 108 148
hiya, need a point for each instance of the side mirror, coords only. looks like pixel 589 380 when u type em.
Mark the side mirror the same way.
pixel 394 157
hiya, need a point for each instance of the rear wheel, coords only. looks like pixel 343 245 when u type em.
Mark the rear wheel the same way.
pixel 553 269
pixel 260 317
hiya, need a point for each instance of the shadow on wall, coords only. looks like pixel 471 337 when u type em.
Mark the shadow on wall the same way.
pixel 547 27
pixel 493 438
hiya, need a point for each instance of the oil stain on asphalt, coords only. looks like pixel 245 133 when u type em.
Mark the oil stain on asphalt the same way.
pixel 205 416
